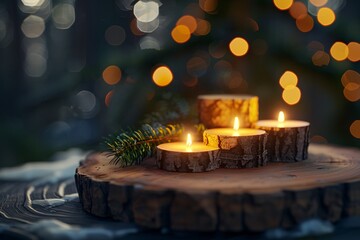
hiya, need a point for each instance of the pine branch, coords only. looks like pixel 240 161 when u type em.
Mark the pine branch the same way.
pixel 133 146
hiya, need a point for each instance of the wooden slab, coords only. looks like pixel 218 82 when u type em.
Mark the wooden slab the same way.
pixel 326 185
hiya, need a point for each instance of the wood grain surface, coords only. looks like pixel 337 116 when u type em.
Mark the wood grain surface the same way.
pixel 326 186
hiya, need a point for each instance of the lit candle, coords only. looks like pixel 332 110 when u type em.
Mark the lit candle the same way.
pixel 187 156
pixel 288 140
pixel 239 147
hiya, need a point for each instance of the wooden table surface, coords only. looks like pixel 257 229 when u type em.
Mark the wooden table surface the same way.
pixel 40 201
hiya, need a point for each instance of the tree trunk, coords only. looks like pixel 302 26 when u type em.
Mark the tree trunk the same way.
pixel 220 110
pixel 326 186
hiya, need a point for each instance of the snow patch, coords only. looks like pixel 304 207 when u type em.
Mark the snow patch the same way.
pixel 62 167
pixel 54 229
pixel 311 227
pixel 54 202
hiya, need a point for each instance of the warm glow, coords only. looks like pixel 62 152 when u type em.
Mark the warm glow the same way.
pixel 326 16
pixel 239 46
pixel 236 124
pixel 188 21
pixel 355 129
pixel 354 51
pixel 318 3
pixel 112 74
pixel 181 34
pixel 162 76
pixel 339 51
pixel 289 78
pixel 305 23
pixel 281 117
pixel 283 4
pixel 291 95
pixel 298 9
pixel 188 140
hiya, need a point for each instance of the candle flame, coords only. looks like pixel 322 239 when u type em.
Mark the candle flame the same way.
pixel 236 124
pixel 188 140
pixel 281 117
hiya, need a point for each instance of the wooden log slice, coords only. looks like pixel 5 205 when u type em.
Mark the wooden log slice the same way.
pixel 220 110
pixel 238 151
pixel 326 186
pixel 187 161
pixel 286 144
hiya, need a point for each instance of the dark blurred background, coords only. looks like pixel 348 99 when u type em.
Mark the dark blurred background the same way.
pixel 73 71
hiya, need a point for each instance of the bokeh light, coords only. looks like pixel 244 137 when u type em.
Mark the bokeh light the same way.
pixel 283 4
pixel 149 42
pixel 85 101
pixel 191 82
pixel 314 46
pixel 203 27
pixel 234 81
pixel 181 34
pixel 146 11
pixel 354 51
pixel 318 139
pixel 112 74
pixel 134 29
pixel 252 24
pixel 350 76
pixel 326 16
pixel 115 35
pixel 291 95
pixel 208 5
pixel 339 51
pixel 148 27
pixel 352 92
pixel 32 3
pixel 188 21
pixel 196 66
pixel 288 79
pixel 35 64
pixel 318 3
pixel 108 97
pixel 351 82
pixel 355 129
pixel 3 30
pixel 162 76
pixel 305 23
pixel 298 9
pixel 239 46
pixel 217 50
pixel 320 58
pixel 63 15
pixel 33 26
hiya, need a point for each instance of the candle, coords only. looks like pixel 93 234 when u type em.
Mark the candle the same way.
pixel 288 140
pixel 239 147
pixel 219 110
pixel 187 156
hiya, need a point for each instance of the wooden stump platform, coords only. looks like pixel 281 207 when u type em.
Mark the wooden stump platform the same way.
pixel 326 186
